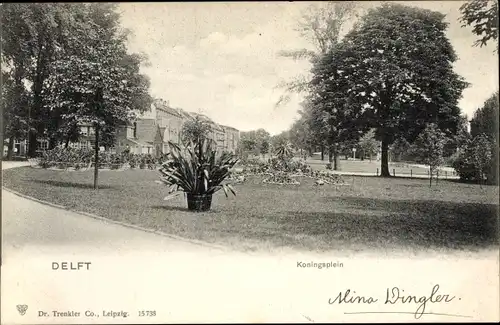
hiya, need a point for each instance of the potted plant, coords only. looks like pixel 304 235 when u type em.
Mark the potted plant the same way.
pixel 198 171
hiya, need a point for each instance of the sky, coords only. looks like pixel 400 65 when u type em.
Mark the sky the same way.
pixel 221 58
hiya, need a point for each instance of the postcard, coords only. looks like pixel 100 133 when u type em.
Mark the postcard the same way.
pixel 250 162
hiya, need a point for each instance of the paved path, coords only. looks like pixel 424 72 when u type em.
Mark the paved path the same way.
pixel 120 269
pixel 133 271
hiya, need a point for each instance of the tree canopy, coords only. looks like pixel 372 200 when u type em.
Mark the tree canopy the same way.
pixel 482 15
pixel 485 119
pixel 395 68
pixel 67 55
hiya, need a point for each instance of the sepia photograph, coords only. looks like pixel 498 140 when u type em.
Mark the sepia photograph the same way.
pixel 250 162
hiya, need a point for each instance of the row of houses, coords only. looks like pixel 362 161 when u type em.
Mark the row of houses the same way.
pixel 150 133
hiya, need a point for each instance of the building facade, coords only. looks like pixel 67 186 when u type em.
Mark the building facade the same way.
pixel 170 122
pixel 150 133
pixel 142 136
pixel 232 139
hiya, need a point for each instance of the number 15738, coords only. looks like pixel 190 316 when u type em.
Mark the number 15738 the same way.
pixel 147 313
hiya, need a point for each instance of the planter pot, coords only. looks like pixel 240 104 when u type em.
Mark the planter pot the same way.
pixel 199 202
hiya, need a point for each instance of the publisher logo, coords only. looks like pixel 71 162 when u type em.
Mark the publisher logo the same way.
pixel 22 309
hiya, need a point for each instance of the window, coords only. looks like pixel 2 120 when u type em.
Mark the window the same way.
pixel 44 144
pixel 84 130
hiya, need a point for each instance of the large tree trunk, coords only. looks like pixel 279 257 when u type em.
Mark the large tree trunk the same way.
pixel 385 158
pixel 334 157
pixel 37 97
pixel 52 143
pixel 96 167
pixel 322 153
pixel 32 144
pixel 336 160
pixel 10 148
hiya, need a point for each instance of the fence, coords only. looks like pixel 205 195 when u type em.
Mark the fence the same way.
pixel 443 174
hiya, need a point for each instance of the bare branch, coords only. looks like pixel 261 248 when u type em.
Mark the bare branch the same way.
pixel 297 85
pixel 320 24
pixel 297 54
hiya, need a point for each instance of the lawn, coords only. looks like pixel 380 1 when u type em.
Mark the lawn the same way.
pixel 371 213
pixel 367 166
pixel 370 167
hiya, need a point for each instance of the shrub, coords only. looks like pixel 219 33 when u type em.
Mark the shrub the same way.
pixel 464 166
pixel 65 157
pixel 133 160
pixel 116 161
pixel 477 161
pixel 451 160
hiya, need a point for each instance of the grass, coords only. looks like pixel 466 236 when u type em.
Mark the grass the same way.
pixel 372 213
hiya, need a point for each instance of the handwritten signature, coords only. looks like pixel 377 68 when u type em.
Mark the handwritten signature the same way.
pixel 396 296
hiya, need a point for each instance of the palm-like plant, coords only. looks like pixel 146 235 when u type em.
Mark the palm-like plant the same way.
pixel 197 171
pixel 284 150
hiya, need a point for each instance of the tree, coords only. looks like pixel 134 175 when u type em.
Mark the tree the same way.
pixel 264 147
pixel 337 115
pixel 16 67
pixel 460 139
pixel 35 37
pixel 398 67
pixel 322 25
pixel 252 141
pixel 44 24
pixel 484 122
pixel 14 103
pixel 483 16
pixel 315 125
pixel 485 119
pixel 400 150
pixel 429 148
pixel 262 136
pixel 300 135
pixel 97 81
pixel 482 155
pixel 476 161
pixel 368 144
pixel 195 130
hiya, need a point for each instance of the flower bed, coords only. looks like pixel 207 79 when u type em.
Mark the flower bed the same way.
pixel 281 178
pixel 285 172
